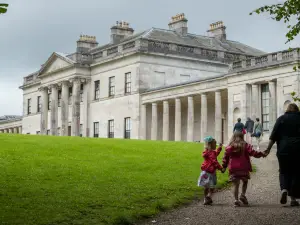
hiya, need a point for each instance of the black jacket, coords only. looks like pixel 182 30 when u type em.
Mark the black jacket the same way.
pixel 238 127
pixel 249 126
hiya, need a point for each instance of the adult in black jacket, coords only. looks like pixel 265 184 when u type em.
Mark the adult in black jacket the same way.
pixel 238 127
pixel 286 133
pixel 249 129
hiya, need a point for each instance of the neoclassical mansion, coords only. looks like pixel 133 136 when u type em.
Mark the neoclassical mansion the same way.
pixel 159 84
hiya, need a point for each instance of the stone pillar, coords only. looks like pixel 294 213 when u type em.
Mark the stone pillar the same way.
pixel 86 107
pixel 177 119
pixel 54 109
pixel 20 130
pixel 272 107
pixel 166 121
pixel 44 112
pixel 218 116
pixel 10 130
pixel 254 102
pixel 203 116
pixel 64 108
pixel 190 119
pixel 76 107
pixel 5 131
pixel 154 122
pixel 15 130
pixel 143 134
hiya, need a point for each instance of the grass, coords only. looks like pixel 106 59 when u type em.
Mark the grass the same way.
pixel 49 180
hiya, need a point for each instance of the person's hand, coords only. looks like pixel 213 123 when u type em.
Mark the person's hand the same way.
pixel 267 152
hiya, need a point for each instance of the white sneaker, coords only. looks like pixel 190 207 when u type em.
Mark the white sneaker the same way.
pixel 257 148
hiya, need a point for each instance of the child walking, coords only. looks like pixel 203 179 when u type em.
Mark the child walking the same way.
pixel 237 158
pixel 208 178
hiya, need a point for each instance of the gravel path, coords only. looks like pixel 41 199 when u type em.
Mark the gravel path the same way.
pixel 263 196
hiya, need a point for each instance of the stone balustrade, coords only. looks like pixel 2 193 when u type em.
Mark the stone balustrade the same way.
pixel 265 60
pixel 12 130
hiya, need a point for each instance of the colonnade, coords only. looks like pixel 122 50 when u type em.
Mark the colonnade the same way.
pixel 13 130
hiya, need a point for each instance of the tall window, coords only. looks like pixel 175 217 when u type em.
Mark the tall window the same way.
pixel 127 83
pixel 111 127
pixel 97 89
pixel 58 131
pixel 29 106
pixel 59 98
pixel 48 132
pixel 111 86
pixel 49 101
pixel 70 95
pixel 127 127
pixel 39 104
pixel 81 93
pixel 80 130
pixel 265 104
pixel 96 129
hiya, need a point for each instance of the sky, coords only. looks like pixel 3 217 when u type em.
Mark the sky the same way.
pixel 33 29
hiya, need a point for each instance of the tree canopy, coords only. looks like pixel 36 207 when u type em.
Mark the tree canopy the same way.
pixel 3 8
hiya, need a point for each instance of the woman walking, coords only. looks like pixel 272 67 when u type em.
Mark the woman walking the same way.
pixel 286 133
pixel 257 132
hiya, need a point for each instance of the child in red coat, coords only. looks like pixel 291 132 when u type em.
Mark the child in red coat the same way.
pixel 208 178
pixel 237 158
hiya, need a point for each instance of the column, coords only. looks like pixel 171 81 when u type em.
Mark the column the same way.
pixel 15 130
pixel 254 102
pixel 44 112
pixel 154 122
pixel 54 109
pixel 177 119
pixel 143 128
pixel 20 130
pixel 5 131
pixel 203 116
pixel 272 107
pixel 76 107
pixel 218 116
pixel 86 108
pixel 190 119
pixel 166 121
pixel 64 108
pixel 10 130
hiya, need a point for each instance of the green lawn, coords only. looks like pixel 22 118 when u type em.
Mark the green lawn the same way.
pixel 69 180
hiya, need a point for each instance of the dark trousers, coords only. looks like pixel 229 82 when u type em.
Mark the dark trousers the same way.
pixel 289 174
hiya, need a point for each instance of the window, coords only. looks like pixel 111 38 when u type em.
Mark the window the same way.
pixel 81 93
pixel 48 132
pixel 29 106
pixel 39 104
pixel 58 131
pixel 80 130
pixel 127 127
pixel 265 104
pixel 49 101
pixel 70 95
pixel 96 129
pixel 111 86
pixel 38 132
pixel 59 98
pixel 97 90
pixel 127 83
pixel 111 129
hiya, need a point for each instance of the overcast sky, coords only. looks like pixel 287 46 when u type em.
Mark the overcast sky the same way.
pixel 33 29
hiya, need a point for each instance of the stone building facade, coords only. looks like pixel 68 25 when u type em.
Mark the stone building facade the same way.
pixel 159 84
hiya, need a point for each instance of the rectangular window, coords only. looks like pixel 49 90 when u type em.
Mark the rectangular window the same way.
pixel 265 104
pixel 127 83
pixel 96 129
pixel 58 131
pixel 29 106
pixel 97 89
pixel 48 132
pixel 39 104
pixel 81 93
pixel 70 95
pixel 111 86
pixel 80 130
pixel 49 101
pixel 111 127
pixel 127 127
pixel 59 98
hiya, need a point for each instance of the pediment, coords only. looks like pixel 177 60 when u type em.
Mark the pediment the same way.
pixel 55 62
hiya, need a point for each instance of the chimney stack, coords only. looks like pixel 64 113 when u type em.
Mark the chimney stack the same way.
pixel 85 43
pixel 120 31
pixel 179 24
pixel 218 30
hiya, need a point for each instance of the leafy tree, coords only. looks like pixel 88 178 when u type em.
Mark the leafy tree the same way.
pixel 286 12
pixel 3 8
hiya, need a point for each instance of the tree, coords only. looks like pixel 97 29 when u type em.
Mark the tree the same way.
pixel 3 8
pixel 287 11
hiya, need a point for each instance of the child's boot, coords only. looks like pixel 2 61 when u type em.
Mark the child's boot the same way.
pixel 244 200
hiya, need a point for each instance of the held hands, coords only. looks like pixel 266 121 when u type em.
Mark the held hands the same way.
pixel 266 152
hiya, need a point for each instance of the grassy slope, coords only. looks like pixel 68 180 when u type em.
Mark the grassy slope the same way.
pixel 67 180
